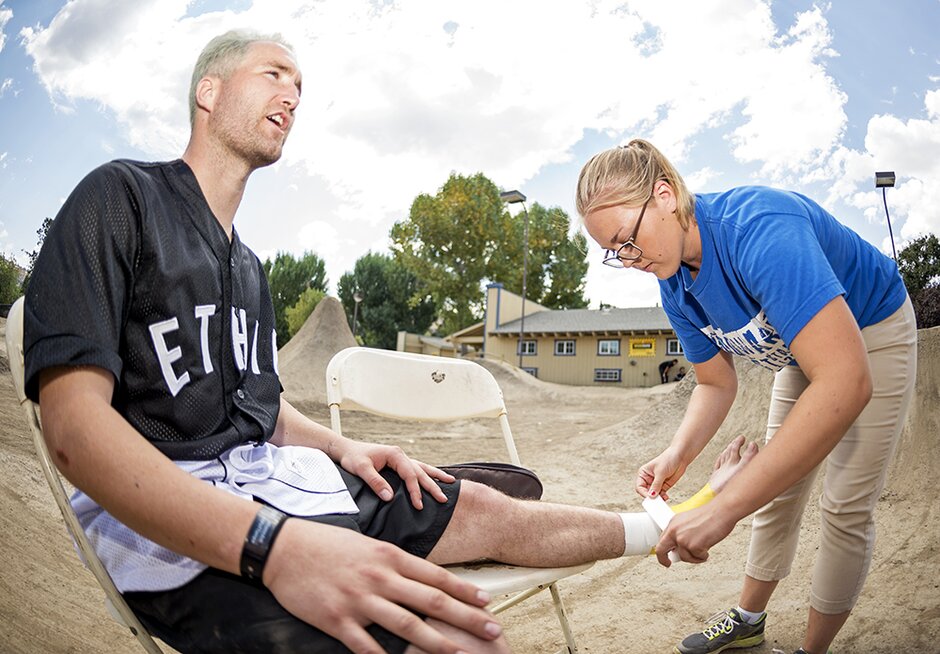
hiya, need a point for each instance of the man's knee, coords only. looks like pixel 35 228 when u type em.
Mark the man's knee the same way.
pixel 480 499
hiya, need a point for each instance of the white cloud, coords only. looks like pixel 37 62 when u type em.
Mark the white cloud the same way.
pixel 795 113
pixel 699 180
pixel 130 57
pixel 5 86
pixel 5 16
pixel 320 237
pixel 398 95
pixel 911 148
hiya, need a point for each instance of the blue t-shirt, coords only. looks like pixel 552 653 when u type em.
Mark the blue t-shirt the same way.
pixel 771 260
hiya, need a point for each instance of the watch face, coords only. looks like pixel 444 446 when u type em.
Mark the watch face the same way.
pixel 258 541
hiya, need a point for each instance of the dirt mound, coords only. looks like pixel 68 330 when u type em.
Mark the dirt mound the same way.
pixel 302 362
pixel 509 376
pixel 638 438
pixel 918 457
pixel 523 388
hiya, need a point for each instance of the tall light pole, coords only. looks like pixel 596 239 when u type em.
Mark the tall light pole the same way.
pixel 357 298
pixel 513 197
pixel 884 181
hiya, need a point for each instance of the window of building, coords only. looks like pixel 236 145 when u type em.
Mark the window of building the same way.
pixel 673 346
pixel 607 374
pixel 564 348
pixel 532 371
pixel 608 347
pixel 527 348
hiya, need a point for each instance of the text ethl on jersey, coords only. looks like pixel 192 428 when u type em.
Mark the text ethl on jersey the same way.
pixel 240 351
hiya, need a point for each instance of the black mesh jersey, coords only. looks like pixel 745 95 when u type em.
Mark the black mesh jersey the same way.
pixel 136 276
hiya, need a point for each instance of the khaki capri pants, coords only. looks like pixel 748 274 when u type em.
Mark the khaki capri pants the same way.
pixel 855 473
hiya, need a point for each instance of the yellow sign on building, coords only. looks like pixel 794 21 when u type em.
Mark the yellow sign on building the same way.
pixel 642 347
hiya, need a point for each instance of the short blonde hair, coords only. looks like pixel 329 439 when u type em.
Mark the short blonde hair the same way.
pixel 221 56
pixel 625 175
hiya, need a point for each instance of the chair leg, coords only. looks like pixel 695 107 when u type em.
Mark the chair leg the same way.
pixel 563 619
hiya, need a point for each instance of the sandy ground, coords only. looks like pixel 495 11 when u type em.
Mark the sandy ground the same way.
pixel 585 444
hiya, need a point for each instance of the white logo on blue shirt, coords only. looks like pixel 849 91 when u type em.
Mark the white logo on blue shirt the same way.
pixel 757 341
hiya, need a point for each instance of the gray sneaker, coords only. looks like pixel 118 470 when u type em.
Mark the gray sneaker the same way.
pixel 725 630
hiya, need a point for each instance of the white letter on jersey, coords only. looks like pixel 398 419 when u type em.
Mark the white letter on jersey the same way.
pixel 167 357
pixel 203 311
pixel 274 350
pixel 240 338
pixel 254 351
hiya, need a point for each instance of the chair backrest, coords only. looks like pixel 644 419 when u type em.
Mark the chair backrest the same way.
pixel 115 603
pixel 414 386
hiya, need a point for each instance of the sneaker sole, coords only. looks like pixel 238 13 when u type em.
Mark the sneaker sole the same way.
pixel 752 641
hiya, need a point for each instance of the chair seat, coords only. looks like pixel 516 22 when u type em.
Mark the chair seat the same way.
pixel 497 579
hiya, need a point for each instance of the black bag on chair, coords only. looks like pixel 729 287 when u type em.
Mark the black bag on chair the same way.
pixel 512 480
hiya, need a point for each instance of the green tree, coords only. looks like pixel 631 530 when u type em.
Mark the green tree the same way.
pixel 9 280
pixel 927 307
pixel 556 265
pixel 919 263
pixel 41 233
pixel 393 299
pixel 288 278
pixel 463 236
pixel 298 313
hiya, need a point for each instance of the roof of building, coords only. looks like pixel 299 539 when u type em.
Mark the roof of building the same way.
pixel 476 329
pixel 591 321
pixel 435 341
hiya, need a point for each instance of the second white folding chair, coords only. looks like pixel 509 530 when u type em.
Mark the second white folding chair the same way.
pixel 425 388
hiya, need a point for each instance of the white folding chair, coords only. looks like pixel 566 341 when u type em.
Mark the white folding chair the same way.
pixel 116 605
pixel 427 388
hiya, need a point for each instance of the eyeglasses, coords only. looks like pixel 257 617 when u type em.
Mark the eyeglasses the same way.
pixel 629 251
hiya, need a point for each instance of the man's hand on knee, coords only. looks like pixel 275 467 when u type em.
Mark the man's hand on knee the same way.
pixel 340 581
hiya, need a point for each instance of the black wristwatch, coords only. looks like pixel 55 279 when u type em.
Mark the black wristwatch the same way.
pixel 268 522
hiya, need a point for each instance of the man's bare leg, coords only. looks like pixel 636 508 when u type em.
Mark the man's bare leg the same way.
pixel 489 525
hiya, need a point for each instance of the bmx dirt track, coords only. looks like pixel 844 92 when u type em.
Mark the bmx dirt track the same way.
pixel 585 443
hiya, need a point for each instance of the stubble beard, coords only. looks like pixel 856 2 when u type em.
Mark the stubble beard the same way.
pixel 243 138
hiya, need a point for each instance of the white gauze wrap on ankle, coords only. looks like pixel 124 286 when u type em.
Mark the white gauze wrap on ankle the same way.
pixel 640 533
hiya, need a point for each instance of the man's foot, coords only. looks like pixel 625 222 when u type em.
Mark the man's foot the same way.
pixel 725 630
pixel 730 461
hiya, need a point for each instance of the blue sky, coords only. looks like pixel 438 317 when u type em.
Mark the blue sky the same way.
pixel 397 95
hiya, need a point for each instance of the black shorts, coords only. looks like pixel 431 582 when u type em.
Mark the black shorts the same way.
pixel 222 612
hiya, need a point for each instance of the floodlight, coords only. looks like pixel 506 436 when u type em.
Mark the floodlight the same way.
pixel 884 179
pixel 512 197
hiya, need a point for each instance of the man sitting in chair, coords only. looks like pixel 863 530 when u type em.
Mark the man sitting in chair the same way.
pixel 150 346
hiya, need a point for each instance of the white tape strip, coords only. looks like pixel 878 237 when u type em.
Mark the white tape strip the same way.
pixel 661 514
